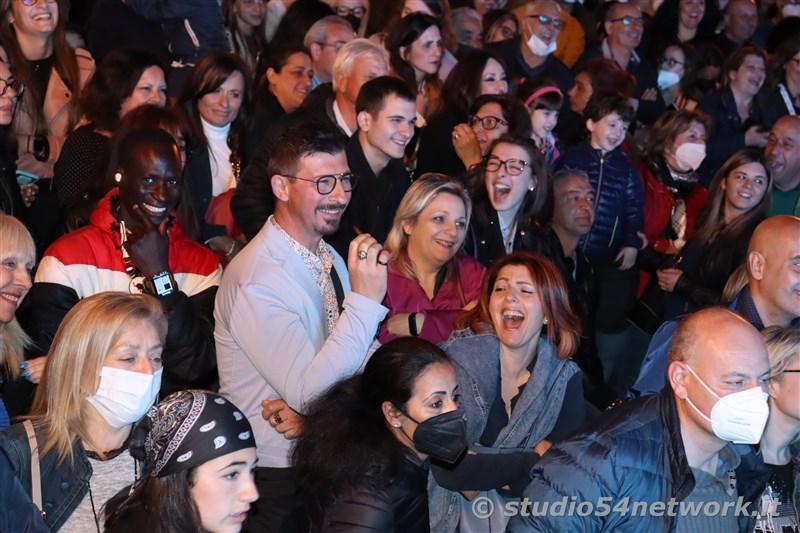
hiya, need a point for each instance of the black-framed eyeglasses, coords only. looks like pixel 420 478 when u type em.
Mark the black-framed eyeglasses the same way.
pixel 514 167
pixel 669 62
pixel 33 2
pixel 17 86
pixel 488 122
pixel 344 11
pixel 629 21
pixel 508 33
pixel 251 2
pixel 544 19
pixel 326 184
pixel 792 371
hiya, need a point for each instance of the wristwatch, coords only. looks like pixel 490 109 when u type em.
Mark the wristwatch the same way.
pixel 162 284
pixel 412 324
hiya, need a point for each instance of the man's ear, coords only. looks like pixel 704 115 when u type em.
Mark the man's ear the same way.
pixel 280 187
pixel 676 375
pixel 755 265
pixel 364 121
pixel 316 51
pixel 590 124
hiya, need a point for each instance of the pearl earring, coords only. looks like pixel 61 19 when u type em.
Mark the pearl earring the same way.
pixel 118 177
pixel 544 321
pixel 396 424
pixel 531 188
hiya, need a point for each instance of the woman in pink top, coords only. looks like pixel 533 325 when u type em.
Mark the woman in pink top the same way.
pixel 429 283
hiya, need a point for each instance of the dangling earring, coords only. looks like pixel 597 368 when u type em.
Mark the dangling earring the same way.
pixel 118 177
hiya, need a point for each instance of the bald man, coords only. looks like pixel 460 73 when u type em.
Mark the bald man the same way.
pixel 770 298
pixel 740 18
pixel 783 154
pixel 668 448
pixel 773 272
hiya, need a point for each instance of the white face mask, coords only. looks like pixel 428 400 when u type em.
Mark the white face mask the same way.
pixel 791 10
pixel 667 79
pixel 739 417
pixel 124 396
pixel 690 156
pixel 539 48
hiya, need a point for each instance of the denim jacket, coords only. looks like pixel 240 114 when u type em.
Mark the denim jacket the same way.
pixel 476 359
pixel 64 485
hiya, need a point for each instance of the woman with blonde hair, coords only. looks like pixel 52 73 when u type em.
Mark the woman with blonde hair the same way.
pixel 103 373
pixel 780 441
pixel 520 390
pixel 429 281
pixel 17 257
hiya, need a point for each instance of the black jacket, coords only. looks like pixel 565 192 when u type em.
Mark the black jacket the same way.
pixel 484 240
pixel 374 201
pixel 634 451
pixel 436 152
pixel 398 506
pixel 727 131
pixel 517 68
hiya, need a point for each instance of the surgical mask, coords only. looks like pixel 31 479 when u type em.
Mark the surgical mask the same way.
pixel 739 417
pixel 124 396
pixel 791 10
pixel 667 79
pixel 443 437
pixel 539 48
pixel 690 156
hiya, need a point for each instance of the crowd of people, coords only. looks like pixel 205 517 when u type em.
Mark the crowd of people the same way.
pixel 399 266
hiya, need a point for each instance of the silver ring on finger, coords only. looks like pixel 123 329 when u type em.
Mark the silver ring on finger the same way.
pixel 362 255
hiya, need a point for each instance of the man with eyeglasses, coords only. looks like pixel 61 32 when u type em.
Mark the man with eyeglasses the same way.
pixel 291 317
pixel 357 62
pixel 771 296
pixel 624 26
pixel 639 467
pixel 323 41
pixel 530 54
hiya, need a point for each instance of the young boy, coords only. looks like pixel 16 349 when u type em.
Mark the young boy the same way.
pixel 612 243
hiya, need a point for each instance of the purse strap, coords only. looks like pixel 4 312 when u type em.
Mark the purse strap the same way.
pixel 36 476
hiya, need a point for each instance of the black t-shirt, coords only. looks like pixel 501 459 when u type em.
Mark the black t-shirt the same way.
pixel 775 510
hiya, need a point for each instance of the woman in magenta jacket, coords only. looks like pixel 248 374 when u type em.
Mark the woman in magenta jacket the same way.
pixel 429 282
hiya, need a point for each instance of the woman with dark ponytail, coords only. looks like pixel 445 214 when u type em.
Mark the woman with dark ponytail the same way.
pixel 363 460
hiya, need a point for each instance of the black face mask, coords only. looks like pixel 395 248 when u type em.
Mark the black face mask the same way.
pixel 443 437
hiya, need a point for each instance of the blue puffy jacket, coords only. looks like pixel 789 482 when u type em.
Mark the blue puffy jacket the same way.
pixel 620 199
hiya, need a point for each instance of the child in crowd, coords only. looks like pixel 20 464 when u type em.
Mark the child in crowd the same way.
pixel 543 99
pixel 612 243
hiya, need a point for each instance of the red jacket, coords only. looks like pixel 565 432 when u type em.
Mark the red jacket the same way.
pixel 658 205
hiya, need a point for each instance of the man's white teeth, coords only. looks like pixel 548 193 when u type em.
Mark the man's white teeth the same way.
pixel 334 211
pixel 153 209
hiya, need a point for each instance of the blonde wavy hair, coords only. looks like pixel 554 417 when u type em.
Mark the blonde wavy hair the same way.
pixel 421 193
pixel 17 244
pixel 72 373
